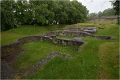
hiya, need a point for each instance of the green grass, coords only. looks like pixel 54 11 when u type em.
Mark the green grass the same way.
pixel 13 34
pixel 86 65
pixel 109 55
pixel 36 51
pixel 110 30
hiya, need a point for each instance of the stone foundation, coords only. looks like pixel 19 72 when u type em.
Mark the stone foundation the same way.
pixel 105 37
pixel 76 33
pixel 68 33
pixel 16 47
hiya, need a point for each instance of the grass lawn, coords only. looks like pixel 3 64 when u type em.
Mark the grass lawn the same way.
pixel 13 34
pixel 83 66
pixel 36 51
pixel 99 59
pixel 109 60
pixel 88 64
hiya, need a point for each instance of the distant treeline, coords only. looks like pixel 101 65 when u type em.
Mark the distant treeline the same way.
pixel 41 12
pixel 105 13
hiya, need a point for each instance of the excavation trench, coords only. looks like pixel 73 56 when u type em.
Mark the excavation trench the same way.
pixel 12 51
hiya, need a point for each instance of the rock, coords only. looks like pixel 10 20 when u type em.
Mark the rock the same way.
pixel 77 38
pixel 90 29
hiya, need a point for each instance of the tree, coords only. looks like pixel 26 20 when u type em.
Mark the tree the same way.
pixel 41 12
pixel 108 12
pixel 116 6
pixel 105 13
pixel 100 14
pixel 7 15
pixel 92 15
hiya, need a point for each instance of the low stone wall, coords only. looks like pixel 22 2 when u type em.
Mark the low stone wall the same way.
pixel 51 33
pixel 62 41
pixel 76 43
pixel 69 42
pixel 105 37
pixel 77 33
pixel 68 33
pixel 74 29
pixel 16 47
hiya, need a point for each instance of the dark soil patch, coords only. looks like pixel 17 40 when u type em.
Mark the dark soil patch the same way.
pixel 11 58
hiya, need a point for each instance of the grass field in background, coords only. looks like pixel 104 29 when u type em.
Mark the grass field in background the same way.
pixel 99 59
pixel 25 30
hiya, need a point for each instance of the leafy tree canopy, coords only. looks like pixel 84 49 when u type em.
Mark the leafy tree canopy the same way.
pixel 41 12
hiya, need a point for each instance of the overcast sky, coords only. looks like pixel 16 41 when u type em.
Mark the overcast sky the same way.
pixel 96 5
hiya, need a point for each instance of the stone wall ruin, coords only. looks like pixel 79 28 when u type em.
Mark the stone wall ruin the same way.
pixel 105 37
pixel 16 47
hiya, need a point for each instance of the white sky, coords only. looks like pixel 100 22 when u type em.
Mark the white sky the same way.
pixel 96 5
